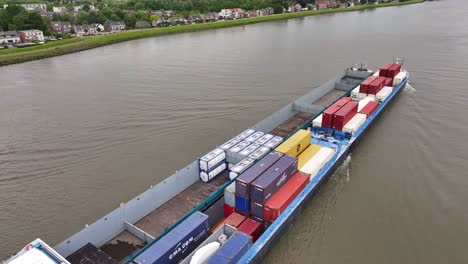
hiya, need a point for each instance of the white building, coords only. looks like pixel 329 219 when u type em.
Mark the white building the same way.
pixel 59 9
pixel 27 36
pixel 231 13
pixel 32 7
pixel 78 8
pixel 9 37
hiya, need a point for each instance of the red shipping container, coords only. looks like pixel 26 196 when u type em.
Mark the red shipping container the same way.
pixel 365 84
pixel 345 114
pixel 284 196
pixel 234 219
pixel 327 117
pixel 394 70
pixel 384 69
pixel 388 82
pixel 252 228
pixel 376 85
pixel 242 213
pixel 228 210
pixel 369 108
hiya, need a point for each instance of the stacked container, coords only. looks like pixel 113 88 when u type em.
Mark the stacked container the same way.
pixel 364 87
pixel 244 181
pixel 313 166
pixel 212 164
pixel 307 154
pixel 274 142
pixel 255 136
pixel 376 85
pixel 317 122
pixel 365 101
pixel 259 153
pixel 252 228
pixel 393 70
pixel 240 167
pixel 295 144
pixel 369 108
pixel 230 195
pixel 353 125
pixel 231 251
pixel 399 78
pixel 383 71
pixel 342 116
pixel 327 119
pixel 264 139
pixel 384 93
pixel 356 94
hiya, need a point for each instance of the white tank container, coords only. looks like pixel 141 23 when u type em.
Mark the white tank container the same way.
pixel 274 142
pixel 229 144
pixel 245 134
pixel 240 167
pixel 317 122
pixel 264 139
pixel 259 153
pixel 255 136
pixel 364 102
pixel 212 159
pixel 313 166
pixel 249 149
pixel 207 176
pixel 353 124
pixel 204 253
pixel 398 78
pixel 384 93
pixel 230 195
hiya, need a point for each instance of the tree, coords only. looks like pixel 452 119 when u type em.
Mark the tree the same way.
pixel 114 17
pixel 86 8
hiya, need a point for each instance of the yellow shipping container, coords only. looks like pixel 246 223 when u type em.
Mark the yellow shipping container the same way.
pixel 294 145
pixel 306 155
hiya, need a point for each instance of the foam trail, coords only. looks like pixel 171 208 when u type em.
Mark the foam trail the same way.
pixel 409 89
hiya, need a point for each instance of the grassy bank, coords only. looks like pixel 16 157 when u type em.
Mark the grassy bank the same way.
pixel 11 56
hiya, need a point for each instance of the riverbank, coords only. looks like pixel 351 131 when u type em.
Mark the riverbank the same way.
pixel 11 56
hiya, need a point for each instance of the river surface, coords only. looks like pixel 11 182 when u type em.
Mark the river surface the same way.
pixel 81 133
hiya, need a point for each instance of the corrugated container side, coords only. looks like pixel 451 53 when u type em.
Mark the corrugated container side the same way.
pixel 364 102
pixel 313 166
pixel 208 176
pixel 394 70
pixel 212 159
pixel 317 122
pixel 294 145
pixel 230 195
pixel 376 85
pixel 384 93
pixel 307 154
pixel 388 81
pixel 242 204
pixel 345 114
pixel 398 78
pixel 327 118
pixel 177 243
pixel 252 228
pixel 232 251
pixel 353 124
pixel 369 108
pixel 384 69
pixel 281 199
pixel 365 84
pixel 245 179
pixel 228 210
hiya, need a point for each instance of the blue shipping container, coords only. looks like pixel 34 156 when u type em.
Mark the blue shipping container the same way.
pixel 231 251
pixel 256 209
pixel 245 179
pixel 242 204
pixel 178 243
pixel 272 179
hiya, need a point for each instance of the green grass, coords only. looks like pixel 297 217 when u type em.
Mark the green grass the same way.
pixel 61 47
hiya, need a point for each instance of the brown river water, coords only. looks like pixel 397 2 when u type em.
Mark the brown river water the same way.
pixel 81 133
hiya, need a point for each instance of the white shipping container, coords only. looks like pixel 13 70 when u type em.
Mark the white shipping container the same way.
pixel 264 139
pixel 376 74
pixel 240 167
pixel 313 166
pixel 229 144
pixel 356 95
pixel 255 136
pixel 245 134
pixel 355 122
pixel 212 159
pixel 364 102
pixel 249 149
pixel 207 176
pixel 384 93
pixel 230 195
pixel 399 78
pixel 259 153
pixel 317 122
pixel 240 146
pixel 274 142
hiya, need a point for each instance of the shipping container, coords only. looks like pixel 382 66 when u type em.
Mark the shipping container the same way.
pixel 212 159
pixel 259 153
pixel 251 228
pixel 394 70
pixel 284 196
pixel 229 144
pixel 256 209
pixel 384 93
pixel 327 119
pixel 232 251
pixel 399 78
pixel 364 102
pixel 177 243
pixel 274 142
pixel 221 235
pixel 246 133
pixel 228 210
pixel 272 179
pixel 240 167
pixel 313 166
pixel 255 136
pixel 249 149
pixel 376 85
pixel 388 81
pixel 264 139
pixel 317 122
pixel 370 107
pixel 365 84
pixel 233 154
pixel 294 145
pixel 239 146
pixel 384 69
pixel 244 181
pixel 306 155
pixel 208 176
pixel 356 95
pixel 234 220
pixel 342 116
pixel 376 74
pixel 214 211
pixel 230 195
pixel 353 124
pixel 242 205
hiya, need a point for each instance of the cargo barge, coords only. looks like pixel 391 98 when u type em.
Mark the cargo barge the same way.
pixel 235 202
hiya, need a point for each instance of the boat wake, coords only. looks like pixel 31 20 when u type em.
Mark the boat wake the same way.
pixel 409 89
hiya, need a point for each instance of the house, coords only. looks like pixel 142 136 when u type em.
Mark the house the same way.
pixel 9 37
pixel 195 19
pixel 80 7
pixel 32 7
pixel 33 35
pixel 98 27
pixel 176 21
pixel 295 8
pixel 251 13
pixel 59 9
pixel 324 4
pixel 62 27
pixel 85 30
pixel 265 11
pixel 48 14
pixel 155 13
pixel 167 13
pixel 232 13
pixel 114 26
pixel 209 17
pixel 142 24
